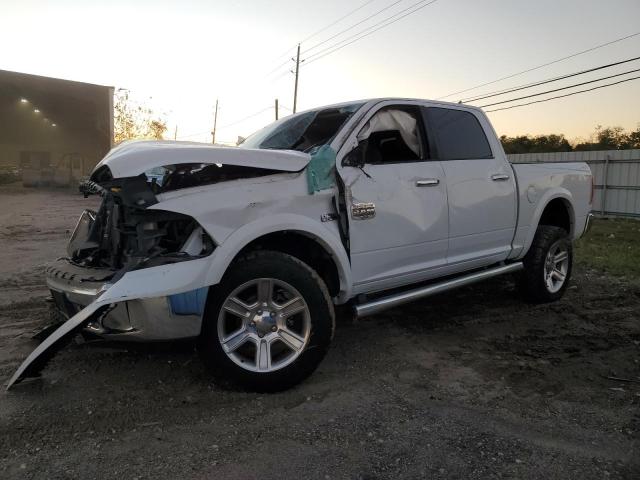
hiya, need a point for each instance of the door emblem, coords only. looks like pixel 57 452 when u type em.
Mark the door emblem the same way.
pixel 363 211
pixel 328 217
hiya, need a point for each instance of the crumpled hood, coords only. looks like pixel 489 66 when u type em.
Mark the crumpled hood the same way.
pixel 132 158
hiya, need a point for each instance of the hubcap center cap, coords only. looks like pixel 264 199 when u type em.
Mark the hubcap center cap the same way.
pixel 264 321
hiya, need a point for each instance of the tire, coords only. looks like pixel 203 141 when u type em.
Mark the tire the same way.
pixel 275 317
pixel 545 279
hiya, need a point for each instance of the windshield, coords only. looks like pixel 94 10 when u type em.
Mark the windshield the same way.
pixel 303 131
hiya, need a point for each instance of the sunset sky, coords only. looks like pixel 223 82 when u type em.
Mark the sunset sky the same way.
pixel 178 57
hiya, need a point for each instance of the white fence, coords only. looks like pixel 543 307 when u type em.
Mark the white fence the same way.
pixel 616 172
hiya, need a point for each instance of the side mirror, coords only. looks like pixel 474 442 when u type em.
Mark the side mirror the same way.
pixel 355 158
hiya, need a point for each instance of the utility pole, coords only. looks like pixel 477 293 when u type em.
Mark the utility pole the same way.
pixel 215 123
pixel 295 90
pixel 276 109
pixel 175 133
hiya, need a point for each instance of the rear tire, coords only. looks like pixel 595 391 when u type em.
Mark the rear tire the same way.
pixel 268 324
pixel 547 265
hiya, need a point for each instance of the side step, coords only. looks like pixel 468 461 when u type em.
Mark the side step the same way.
pixel 380 304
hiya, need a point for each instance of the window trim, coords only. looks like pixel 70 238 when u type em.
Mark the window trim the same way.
pixel 433 139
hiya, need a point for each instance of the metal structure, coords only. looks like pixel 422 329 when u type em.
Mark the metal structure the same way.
pixel 616 174
pixel 54 131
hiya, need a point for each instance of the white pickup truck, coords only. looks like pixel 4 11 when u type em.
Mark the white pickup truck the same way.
pixel 371 204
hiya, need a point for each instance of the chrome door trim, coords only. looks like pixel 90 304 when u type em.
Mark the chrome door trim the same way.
pixel 427 182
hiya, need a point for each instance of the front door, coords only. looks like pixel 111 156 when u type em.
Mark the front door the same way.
pixel 397 203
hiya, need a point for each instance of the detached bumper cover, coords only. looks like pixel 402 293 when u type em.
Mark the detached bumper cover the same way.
pixel 588 224
pixel 148 283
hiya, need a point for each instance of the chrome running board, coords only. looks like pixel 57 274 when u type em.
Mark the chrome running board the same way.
pixel 380 304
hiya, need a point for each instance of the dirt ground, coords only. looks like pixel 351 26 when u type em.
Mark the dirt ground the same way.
pixel 472 384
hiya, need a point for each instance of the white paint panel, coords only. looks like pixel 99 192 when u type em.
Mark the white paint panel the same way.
pixel 619 193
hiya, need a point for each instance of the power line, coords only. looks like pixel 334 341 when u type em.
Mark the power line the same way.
pixel 560 89
pixel 565 95
pixel 365 29
pixel 360 35
pixel 247 117
pixel 352 26
pixel 331 49
pixel 326 27
pixel 286 62
pixel 543 82
pixel 336 21
pixel 233 123
pixel 543 65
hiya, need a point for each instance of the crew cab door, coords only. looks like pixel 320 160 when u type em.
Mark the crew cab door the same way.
pixel 481 187
pixel 396 201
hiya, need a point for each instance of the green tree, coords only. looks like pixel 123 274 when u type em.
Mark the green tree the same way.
pixel 611 138
pixel 634 138
pixel 538 144
pixel 135 121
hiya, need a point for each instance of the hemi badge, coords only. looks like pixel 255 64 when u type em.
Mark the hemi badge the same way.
pixel 363 211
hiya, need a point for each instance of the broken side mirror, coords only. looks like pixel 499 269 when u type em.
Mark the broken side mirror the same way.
pixel 355 158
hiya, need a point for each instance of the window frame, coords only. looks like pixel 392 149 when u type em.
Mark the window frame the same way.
pixel 433 139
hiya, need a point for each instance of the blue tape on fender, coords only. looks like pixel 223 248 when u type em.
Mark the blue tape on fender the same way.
pixel 321 169
pixel 189 303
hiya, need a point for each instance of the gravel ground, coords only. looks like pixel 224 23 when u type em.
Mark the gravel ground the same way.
pixel 472 384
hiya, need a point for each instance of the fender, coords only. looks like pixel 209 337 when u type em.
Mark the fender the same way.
pixel 225 253
pixel 549 195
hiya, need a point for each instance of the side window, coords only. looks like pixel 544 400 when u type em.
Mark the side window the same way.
pixel 458 134
pixel 392 135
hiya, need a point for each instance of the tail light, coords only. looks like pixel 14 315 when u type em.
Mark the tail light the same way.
pixel 593 189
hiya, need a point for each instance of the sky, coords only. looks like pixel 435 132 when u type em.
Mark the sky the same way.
pixel 178 57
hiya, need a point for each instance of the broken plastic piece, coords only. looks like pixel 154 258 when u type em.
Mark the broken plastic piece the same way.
pixel 37 360
pixel 321 169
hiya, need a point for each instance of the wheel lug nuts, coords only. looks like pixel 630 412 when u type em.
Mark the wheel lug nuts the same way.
pixel 259 312
pixel 261 335
pixel 274 328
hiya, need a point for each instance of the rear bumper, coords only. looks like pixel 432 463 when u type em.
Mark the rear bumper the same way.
pixel 148 319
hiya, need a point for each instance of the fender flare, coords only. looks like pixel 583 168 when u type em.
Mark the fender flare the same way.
pixel 549 196
pixel 226 252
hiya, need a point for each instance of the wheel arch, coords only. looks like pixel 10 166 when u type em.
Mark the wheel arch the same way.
pixel 555 208
pixel 295 235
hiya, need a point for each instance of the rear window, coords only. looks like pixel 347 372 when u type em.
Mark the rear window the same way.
pixel 458 134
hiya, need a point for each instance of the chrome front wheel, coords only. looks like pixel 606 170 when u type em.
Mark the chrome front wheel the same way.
pixel 264 325
pixel 268 324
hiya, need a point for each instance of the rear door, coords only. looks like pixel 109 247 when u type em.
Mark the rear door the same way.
pixel 481 187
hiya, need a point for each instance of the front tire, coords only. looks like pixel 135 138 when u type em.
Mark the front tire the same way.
pixel 547 265
pixel 268 324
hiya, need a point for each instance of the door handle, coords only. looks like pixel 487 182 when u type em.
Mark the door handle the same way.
pixel 427 182
pixel 499 177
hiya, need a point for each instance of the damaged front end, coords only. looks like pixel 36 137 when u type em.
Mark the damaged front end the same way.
pixel 140 267
pixel 132 272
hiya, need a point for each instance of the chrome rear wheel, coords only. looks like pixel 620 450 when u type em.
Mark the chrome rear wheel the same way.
pixel 556 266
pixel 547 265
